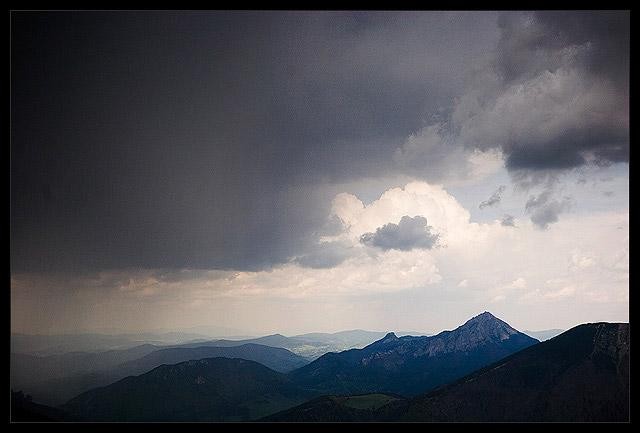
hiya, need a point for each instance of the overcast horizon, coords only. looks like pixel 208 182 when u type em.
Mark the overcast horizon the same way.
pixel 293 172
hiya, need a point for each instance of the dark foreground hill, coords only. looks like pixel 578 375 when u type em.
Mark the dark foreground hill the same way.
pixel 213 389
pixel 413 365
pixel 333 408
pixel 580 375
pixel 23 409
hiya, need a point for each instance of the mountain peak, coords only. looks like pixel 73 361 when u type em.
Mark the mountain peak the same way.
pixel 390 337
pixel 485 317
pixel 487 326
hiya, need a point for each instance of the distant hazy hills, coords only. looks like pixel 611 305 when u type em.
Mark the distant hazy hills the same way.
pixel 411 365
pixel 44 345
pixel 214 389
pixel 29 369
pixel 276 358
pixel 580 375
pixel 55 379
pixel 313 345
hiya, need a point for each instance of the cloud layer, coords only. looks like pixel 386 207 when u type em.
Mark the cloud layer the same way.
pixel 584 269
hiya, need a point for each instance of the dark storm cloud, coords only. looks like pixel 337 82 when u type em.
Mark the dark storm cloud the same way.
pixel 554 96
pixel 494 199
pixel 193 139
pixel 508 221
pixel 563 101
pixel 408 234
pixel 544 209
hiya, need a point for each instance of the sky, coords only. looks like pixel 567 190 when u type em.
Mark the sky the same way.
pixel 293 172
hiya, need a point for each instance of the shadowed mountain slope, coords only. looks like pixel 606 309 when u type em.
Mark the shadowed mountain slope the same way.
pixel 213 389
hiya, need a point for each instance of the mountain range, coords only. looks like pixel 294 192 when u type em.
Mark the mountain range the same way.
pixel 312 345
pixel 580 375
pixel 405 365
pixel 484 370
pixel 56 377
pixel 412 365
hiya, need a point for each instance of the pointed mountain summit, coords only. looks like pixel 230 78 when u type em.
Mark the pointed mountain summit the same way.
pixel 487 322
pixel 485 318
pixel 482 329
pixel 391 337
pixel 411 365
